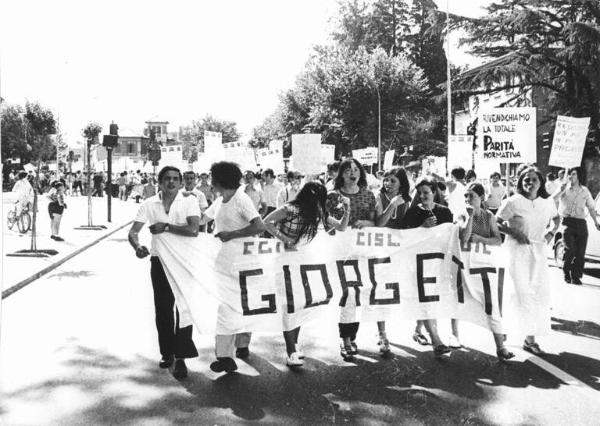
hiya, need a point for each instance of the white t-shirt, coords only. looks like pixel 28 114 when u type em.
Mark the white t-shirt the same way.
pixel 235 214
pixel 24 191
pixel 495 195
pixel 202 203
pixel 456 200
pixel 270 193
pixel 152 211
pixel 529 216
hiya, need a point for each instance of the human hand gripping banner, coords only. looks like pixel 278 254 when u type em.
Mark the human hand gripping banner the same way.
pixel 372 274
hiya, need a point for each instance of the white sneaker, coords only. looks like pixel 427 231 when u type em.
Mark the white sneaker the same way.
pixel 294 360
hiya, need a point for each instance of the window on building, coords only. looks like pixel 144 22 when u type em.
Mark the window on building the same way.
pixel 131 148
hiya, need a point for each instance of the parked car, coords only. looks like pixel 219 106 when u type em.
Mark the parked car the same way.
pixel 593 245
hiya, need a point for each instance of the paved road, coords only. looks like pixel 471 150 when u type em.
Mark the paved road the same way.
pixel 79 348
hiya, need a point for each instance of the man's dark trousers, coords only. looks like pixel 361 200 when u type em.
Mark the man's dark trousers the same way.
pixel 575 238
pixel 172 340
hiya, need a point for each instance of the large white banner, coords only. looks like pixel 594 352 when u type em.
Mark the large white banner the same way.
pixel 213 146
pixel 568 143
pixel 306 152
pixel 271 158
pixel 507 135
pixel 371 274
pixel 240 153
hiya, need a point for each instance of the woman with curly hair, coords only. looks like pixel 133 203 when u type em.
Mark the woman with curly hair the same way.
pixel 297 222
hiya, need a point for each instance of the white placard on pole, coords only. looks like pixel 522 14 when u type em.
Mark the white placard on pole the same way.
pixel 388 159
pixel 306 152
pixel 568 142
pixel 366 156
pixel 460 151
pixel 507 135
pixel 327 155
pixel 213 145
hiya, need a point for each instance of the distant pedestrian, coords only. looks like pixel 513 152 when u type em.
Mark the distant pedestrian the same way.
pixel 56 208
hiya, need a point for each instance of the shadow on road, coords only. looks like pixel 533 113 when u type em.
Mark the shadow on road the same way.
pixel 587 329
pixel 105 389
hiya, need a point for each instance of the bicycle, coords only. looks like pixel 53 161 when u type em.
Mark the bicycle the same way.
pixel 22 220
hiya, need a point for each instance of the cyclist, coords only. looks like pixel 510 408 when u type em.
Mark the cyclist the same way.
pixel 24 192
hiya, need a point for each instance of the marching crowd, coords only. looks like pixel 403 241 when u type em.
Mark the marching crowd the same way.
pixel 524 216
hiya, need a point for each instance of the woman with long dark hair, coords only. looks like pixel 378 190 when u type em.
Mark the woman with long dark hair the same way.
pixel 297 222
pixel 351 182
pixel 480 227
pixel 393 201
pixel 524 217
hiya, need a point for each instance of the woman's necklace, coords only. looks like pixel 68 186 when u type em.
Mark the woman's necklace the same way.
pixel 389 201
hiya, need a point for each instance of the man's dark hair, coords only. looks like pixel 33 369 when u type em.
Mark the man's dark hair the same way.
pixel 580 175
pixel 226 174
pixel 189 172
pixel 166 169
pixel 22 175
pixel 269 172
pixel 334 166
pixel 458 173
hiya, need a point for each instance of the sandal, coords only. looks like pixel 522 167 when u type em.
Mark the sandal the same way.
pixel 504 354
pixel 420 339
pixel 384 346
pixel 346 352
pixel 533 348
pixel 441 350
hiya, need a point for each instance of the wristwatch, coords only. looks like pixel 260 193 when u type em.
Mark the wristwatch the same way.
pixel 167 227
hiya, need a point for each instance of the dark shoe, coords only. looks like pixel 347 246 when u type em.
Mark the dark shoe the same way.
pixel 353 348
pixel 166 361
pixel 567 278
pixel 504 354
pixel 533 348
pixel 576 281
pixel 53 237
pixel 441 350
pixel 242 353
pixel 223 364
pixel 346 352
pixel 420 339
pixel 180 370
pixel 57 238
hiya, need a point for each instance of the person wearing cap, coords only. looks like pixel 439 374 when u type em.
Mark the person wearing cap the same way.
pixel 289 192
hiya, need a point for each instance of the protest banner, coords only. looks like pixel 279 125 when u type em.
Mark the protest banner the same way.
pixel 327 155
pixel 568 142
pixel 241 154
pixel 460 151
pixel 213 146
pixel 261 285
pixel 507 135
pixel 388 159
pixel 365 156
pixel 271 158
pixel 306 151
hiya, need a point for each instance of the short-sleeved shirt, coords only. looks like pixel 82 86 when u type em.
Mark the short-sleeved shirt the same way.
pixel 362 204
pixel 235 214
pixel 208 192
pixel 195 192
pixel 152 211
pixel 529 216
pixel 255 194
pixel 286 194
pixel 416 215
pixel 572 202
pixel 495 196
pixel 270 193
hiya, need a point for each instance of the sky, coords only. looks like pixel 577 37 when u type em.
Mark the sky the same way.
pixel 129 61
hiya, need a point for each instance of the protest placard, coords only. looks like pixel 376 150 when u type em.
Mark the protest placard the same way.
pixel 327 155
pixel 213 145
pixel 388 159
pixel 365 156
pixel 568 142
pixel 507 135
pixel 306 151
pixel 271 158
pixel 460 151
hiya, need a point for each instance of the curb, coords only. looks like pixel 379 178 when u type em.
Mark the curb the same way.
pixel 27 281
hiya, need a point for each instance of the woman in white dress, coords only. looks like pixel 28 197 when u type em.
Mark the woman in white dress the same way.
pixel 524 217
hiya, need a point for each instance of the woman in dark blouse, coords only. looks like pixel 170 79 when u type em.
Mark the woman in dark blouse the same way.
pixel 427 214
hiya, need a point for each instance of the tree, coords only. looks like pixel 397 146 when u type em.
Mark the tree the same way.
pixel 90 132
pixel 14 142
pixel 195 135
pixel 40 124
pixel 552 45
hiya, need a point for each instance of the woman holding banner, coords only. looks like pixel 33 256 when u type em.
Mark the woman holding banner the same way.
pixel 428 214
pixel 524 217
pixel 296 223
pixel 235 217
pixel 392 203
pixel 480 227
pixel 351 182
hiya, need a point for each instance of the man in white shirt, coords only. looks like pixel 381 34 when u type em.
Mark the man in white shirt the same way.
pixel 168 211
pixel 254 192
pixel 270 189
pixel 496 192
pixel 289 192
pixel 24 192
pixel 189 181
